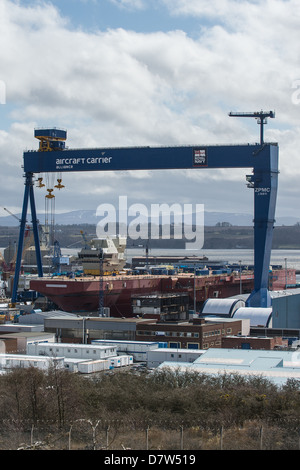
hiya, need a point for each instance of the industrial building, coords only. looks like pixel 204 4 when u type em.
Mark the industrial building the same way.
pixel 195 334
pixel 276 366
pixel 222 307
pixel 37 317
pixel 17 343
pixel 83 358
pixel 235 308
pixel 157 356
pixel 80 358
pixel 75 351
pixel 284 312
pixel 286 308
pixel 11 361
pixel 79 329
pixel 198 333
pixel 137 349
pixel 255 342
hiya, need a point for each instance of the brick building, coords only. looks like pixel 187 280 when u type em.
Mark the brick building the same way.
pixel 196 334
pixel 252 342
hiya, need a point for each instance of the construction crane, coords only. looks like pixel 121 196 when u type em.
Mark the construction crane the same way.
pixel 14 215
pixel 28 240
pixel 11 214
pixel 83 234
pixel 27 229
pixel 261 117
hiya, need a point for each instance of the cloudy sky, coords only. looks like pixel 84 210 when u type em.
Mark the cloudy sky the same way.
pixel 150 72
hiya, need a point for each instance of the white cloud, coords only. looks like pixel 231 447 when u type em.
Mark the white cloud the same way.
pixel 119 87
pixel 131 4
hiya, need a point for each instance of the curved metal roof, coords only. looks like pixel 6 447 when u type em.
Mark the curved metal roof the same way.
pixel 258 316
pixel 225 307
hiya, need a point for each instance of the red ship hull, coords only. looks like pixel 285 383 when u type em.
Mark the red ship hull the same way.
pixel 82 294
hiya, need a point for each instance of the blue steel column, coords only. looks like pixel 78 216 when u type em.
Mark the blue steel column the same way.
pixel 35 232
pixel 28 182
pixel 265 180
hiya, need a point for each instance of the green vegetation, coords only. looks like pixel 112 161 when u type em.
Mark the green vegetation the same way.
pixel 163 410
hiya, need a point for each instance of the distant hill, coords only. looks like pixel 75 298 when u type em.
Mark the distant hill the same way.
pixel 211 219
pixel 68 218
pixel 74 227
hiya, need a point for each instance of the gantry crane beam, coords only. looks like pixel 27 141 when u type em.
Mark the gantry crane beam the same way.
pixel 262 159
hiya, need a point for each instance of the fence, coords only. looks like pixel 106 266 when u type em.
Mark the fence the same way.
pixel 87 434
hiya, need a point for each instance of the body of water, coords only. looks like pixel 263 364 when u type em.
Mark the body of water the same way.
pixel 231 256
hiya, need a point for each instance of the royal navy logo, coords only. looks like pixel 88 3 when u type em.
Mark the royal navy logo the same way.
pixel 200 157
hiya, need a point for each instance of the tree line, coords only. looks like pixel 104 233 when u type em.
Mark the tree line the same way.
pixel 160 409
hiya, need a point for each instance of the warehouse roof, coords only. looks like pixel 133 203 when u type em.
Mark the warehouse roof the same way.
pixel 258 316
pixel 222 306
pixel 276 366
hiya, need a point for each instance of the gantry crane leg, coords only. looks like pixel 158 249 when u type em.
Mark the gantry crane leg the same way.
pixel 28 194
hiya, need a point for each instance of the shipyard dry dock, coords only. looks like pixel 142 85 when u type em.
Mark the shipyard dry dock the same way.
pixel 262 158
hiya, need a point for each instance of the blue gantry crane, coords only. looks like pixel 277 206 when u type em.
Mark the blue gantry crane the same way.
pixel 53 157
